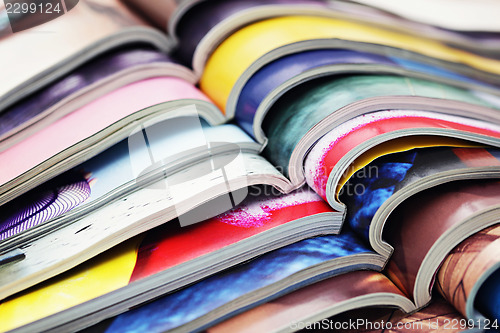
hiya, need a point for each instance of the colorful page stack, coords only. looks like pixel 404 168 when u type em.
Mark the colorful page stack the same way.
pixel 249 166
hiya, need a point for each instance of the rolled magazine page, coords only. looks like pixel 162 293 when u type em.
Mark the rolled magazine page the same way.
pixel 357 142
pixel 314 108
pixel 133 198
pixel 125 166
pixel 443 217
pixel 251 42
pixel 467 278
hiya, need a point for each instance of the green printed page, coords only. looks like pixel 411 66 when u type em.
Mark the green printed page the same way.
pixel 305 106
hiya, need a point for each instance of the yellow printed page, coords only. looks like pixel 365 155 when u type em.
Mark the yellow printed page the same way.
pixel 98 276
pixel 397 146
pixel 242 48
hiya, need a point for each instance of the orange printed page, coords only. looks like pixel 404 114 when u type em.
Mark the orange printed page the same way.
pixel 466 264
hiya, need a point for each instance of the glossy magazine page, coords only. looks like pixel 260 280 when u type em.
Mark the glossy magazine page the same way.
pixel 88 29
pixel 275 269
pixel 162 251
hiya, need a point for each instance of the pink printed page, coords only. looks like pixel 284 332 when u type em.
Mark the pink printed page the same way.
pixel 91 119
pixel 332 147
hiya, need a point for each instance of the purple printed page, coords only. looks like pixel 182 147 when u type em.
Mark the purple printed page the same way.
pixel 70 85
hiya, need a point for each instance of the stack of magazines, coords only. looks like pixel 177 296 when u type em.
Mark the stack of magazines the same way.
pixel 249 166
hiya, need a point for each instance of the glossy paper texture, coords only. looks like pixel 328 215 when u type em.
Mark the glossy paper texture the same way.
pixel 88 74
pixel 198 20
pixel 246 45
pixel 87 23
pixel 199 299
pixel 306 302
pixel 388 174
pixel 160 249
pixel 470 260
pixel 46 202
pixel 436 211
pixel 302 108
pixel 271 76
pixel 90 119
pixel 334 146
pixel 110 171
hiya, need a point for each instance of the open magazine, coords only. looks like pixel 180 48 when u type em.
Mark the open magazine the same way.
pixel 105 73
pixel 445 238
pixel 199 27
pixel 310 304
pixel 73 45
pixel 171 256
pixel 314 151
